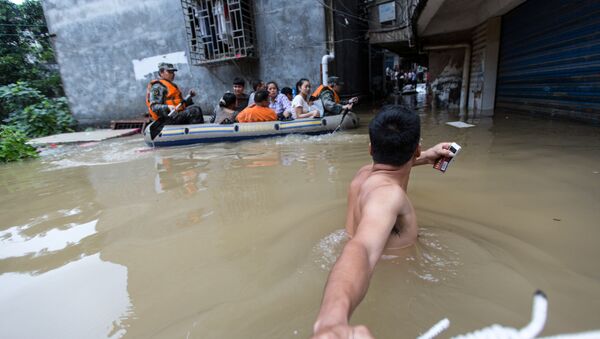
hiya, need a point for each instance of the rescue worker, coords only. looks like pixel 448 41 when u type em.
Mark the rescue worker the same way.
pixel 163 96
pixel 330 97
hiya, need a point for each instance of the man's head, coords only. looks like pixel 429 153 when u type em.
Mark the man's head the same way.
pixel 166 71
pixel 261 98
pixel 395 134
pixel 238 86
pixel 336 83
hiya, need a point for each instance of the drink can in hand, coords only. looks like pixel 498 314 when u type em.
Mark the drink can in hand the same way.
pixel 442 163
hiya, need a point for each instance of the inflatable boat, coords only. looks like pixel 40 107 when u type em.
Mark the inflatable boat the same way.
pixel 175 135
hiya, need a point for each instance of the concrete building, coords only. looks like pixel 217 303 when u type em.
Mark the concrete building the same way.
pixel 534 57
pixel 108 50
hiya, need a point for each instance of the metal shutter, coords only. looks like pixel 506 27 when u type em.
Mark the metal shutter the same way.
pixel 550 60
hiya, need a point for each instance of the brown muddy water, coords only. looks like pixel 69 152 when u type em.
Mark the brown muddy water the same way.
pixel 235 240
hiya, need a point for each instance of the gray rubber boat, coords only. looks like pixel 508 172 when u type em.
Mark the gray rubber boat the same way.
pixel 175 135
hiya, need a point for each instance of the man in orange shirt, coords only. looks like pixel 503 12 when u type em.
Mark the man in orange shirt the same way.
pixel 259 111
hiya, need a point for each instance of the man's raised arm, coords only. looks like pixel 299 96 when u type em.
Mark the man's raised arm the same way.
pixel 349 279
pixel 432 154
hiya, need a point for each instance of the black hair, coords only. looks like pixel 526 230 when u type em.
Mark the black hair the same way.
pixel 256 83
pixel 261 96
pixel 395 134
pixel 286 91
pixel 227 100
pixel 300 83
pixel 239 81
pixel 276 85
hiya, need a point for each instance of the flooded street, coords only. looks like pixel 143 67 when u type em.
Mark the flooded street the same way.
pixel 235 240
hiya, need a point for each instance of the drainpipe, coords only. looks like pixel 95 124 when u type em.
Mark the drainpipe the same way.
pixel 325 67
pixel 464 90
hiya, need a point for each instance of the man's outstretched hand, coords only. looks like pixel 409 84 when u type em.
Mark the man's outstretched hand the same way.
pixel 430 155
pixel 344 332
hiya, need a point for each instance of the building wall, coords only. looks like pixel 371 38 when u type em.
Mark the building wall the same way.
pixel 108 51
pixel 351 48
pixel 484 65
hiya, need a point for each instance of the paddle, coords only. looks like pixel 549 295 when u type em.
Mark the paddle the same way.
pixel 344 113
pixel 157 126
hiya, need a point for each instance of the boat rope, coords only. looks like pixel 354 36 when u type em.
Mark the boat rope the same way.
pixel 539 315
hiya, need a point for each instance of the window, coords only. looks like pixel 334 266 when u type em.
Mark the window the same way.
pixel 219 30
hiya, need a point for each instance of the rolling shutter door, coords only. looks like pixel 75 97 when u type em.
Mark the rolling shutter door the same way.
pixel 550 60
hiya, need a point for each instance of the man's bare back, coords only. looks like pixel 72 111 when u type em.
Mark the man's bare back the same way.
pixel 379 217
pixel 368 182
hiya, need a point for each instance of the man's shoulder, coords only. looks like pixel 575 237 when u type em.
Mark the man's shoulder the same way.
pixel 378 186
pixel 156 88
pixel 326 92
pixel 157 84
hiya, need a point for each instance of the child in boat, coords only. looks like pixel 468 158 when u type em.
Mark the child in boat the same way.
pixel 257 85
pixel 225 112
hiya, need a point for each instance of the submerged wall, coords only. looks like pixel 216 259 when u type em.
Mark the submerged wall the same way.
pixel 108 50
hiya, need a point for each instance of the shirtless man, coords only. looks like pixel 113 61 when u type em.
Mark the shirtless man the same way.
pixel 380 217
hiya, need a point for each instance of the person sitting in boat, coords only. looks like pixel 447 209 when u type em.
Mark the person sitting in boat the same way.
pixel 279 102
pixel 163 96
pixel 288 93
pixel 315 103
pixel 257 85
pixel 330 97
pixel 241 97
pixel 300 107
pixel 225 112
pixel 259 111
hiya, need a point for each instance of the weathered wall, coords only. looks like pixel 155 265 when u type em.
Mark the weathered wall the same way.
pixel 351 48
pixel 107 50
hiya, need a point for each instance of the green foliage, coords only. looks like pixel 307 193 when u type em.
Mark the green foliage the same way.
pixel 13 145
pixel 25 49
pixel 34 114
pixel 16 97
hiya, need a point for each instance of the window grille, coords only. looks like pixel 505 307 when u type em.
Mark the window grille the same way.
pixel 219 30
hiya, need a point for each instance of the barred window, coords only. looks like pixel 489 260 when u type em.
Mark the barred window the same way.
pixel 219 30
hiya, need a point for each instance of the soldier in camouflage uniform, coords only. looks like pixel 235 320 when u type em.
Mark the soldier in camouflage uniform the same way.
pixel 329 95
pixel 163 96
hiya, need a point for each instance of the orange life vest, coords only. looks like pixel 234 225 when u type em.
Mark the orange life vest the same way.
pixel 320 89
pixel 173 97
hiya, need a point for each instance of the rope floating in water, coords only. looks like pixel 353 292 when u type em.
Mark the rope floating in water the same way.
pixel 539 315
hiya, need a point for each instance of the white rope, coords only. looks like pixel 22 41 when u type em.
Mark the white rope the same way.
pixel 539 315
pixel 438 328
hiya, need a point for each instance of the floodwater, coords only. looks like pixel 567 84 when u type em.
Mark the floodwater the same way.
pixel 235 240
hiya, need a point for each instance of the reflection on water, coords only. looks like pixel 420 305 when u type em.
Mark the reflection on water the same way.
pixel 14 244
pixel 236 239
pixel 84 299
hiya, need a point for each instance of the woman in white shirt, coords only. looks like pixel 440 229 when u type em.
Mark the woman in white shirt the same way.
pixel 300 107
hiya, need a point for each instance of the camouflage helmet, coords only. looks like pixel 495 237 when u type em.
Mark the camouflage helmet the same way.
pixel 166 66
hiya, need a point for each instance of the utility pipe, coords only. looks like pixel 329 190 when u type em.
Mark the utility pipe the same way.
pixel 464 90
pixel 325 67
